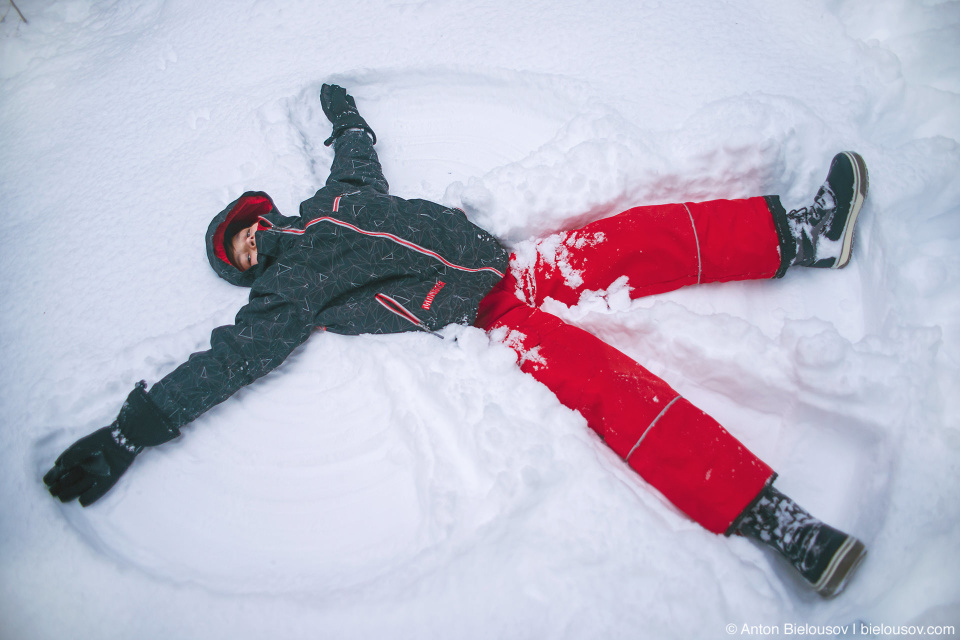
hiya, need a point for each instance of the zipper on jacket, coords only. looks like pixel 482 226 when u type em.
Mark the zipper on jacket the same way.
pixel 396 308
pixel 336 201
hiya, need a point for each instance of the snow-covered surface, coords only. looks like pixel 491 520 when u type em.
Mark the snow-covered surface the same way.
pixel 409 487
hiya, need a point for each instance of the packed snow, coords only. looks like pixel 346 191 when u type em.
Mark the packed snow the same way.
pixel 408 487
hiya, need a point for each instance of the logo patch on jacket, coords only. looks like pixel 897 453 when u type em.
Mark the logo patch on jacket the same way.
pixel 433 294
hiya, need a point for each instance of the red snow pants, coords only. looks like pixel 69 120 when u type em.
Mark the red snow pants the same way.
pixel 678 449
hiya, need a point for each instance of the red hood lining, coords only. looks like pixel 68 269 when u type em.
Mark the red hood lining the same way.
pixel 243 214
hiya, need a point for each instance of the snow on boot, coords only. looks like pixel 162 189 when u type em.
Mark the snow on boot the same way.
pixel 824 556
pixel 823 231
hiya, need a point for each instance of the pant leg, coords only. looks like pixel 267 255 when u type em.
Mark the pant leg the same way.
pixel 681 451
pixel 659 248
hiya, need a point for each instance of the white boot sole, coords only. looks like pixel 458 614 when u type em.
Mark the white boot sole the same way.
pixel 861 182
pixel 841 568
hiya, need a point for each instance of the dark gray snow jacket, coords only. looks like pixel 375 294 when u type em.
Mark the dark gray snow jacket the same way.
pixel 356 260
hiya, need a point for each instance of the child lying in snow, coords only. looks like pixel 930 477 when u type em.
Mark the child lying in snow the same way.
pixel 358 260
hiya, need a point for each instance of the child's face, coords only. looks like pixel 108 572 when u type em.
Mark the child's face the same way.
pixel 245 247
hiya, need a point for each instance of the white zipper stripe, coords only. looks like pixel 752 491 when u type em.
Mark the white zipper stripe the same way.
pixel 649 427
pixel 697 240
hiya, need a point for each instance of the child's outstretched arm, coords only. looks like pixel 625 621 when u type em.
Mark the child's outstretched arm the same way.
pixel 265 332
pixel 355 162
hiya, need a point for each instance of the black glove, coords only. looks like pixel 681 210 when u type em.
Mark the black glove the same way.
pixel 93 464
pixel 341 110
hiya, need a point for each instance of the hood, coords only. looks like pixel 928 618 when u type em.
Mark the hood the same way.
pixel 240 213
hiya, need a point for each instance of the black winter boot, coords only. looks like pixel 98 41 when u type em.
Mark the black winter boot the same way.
pixel 824 556
pixel 821 234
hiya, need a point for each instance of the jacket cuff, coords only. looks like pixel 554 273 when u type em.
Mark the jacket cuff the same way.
pixel 358 124
pixel 142 423
pixel 788 246
pixel 735 525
